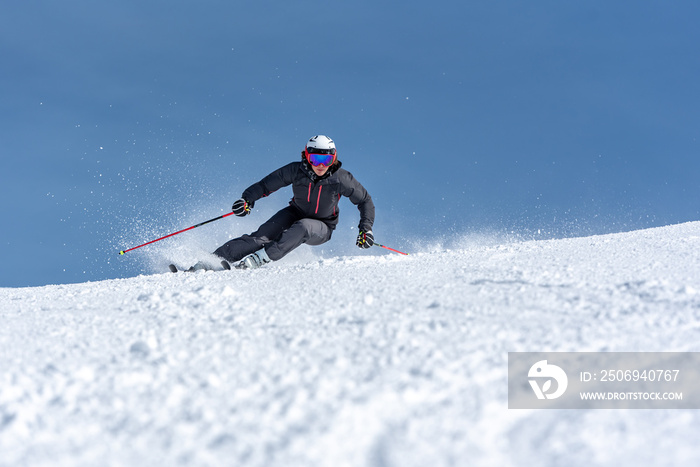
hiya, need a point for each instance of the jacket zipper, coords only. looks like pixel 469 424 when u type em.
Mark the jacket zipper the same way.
pixel 318 199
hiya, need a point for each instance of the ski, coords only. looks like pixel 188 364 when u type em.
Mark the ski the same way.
pixel 224 264
pixel 175 269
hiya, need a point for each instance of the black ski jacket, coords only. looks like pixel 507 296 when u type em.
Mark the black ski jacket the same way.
pixel 317 197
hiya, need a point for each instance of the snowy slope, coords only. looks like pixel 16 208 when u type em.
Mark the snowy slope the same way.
pixel 377 360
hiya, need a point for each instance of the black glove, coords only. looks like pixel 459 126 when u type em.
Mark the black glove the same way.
pixel 365 239
pixel 242 207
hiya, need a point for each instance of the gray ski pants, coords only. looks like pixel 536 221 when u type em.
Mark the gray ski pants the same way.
pixel 282 233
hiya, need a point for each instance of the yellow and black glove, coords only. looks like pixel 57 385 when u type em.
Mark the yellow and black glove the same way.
pixel 365 239
pixel 242 207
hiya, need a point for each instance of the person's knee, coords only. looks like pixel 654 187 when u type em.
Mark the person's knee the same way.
pixel 308 226
pixel 315 231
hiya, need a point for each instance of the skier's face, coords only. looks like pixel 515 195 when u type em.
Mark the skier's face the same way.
pixel 320 170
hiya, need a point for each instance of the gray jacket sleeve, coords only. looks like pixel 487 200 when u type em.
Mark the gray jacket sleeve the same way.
pixel 360 198
pixel 278 179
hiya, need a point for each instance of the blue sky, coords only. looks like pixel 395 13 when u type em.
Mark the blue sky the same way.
pixel 125 121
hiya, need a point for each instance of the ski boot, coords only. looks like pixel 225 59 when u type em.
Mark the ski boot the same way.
pixel 254 260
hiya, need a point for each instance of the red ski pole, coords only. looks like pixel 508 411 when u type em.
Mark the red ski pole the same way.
pixel 391 249
pixel 178 232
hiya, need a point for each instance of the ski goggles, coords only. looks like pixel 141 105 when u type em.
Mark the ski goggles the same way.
pixel 324 157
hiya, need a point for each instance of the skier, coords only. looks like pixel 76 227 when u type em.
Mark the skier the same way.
pixel 318 182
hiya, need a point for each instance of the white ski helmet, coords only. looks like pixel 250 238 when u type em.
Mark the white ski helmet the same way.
pixel 323 143
pixel 320 150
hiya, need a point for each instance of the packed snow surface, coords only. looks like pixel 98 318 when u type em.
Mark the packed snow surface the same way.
pixel 373 360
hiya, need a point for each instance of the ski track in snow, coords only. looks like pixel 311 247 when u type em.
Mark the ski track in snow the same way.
pixel 374 360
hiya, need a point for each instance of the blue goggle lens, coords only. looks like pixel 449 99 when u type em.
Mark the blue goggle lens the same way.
pixel 320 159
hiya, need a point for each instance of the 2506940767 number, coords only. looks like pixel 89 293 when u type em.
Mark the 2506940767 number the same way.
pixel 637 375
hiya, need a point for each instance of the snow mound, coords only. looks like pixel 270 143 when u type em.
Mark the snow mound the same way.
pixel 376 360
